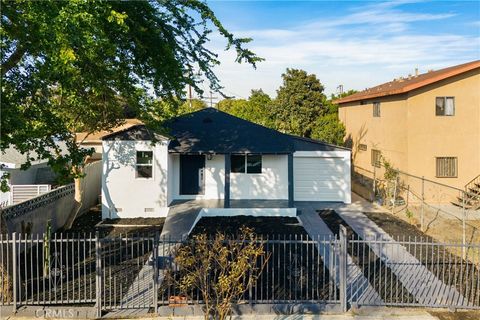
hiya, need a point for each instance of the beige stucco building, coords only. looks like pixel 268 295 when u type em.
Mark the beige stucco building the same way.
pixel 426 125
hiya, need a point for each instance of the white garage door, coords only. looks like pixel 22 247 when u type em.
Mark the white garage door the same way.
pixel 319 179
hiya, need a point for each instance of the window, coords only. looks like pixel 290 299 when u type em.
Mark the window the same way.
pixel 376 157
pixel 144 164
pixel 251 163
pixel 362 147
pixel 446 167
pixel 254 163
pixel 376 109
pixel 445 106
pixel 238 163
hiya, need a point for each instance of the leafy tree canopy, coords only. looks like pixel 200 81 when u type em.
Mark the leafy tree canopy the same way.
pixel 300 101
pixel 255 109
pixel 70 66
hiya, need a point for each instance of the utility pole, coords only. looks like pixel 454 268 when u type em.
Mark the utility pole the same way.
pixel 212 98
pixel 340 89
pixel 190 96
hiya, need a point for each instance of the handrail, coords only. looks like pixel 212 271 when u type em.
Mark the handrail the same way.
pixel 467 185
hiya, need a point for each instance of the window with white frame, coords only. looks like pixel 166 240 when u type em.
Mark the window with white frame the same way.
pixel 445 106
pixel 144 164
pixel 446 167
pixel 250 163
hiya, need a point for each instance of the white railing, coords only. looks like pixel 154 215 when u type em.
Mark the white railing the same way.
pixel 23 192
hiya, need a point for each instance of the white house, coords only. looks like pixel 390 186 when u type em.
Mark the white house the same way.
pixel 24 184
pixel 211 155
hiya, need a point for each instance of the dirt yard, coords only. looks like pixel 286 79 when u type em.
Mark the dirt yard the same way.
pixel 436 223
pixel 89 223
pixel 271 226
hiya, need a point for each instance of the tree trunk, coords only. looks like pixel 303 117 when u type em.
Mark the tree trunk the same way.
pixel 6 288
pixel 78 198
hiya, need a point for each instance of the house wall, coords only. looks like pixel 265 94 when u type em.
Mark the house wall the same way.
pixel 214 178
pixel 121 189
pixel 410 135
pixel 272 183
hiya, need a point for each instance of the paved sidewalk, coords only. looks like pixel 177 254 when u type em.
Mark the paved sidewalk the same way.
pixel 359 289
pixel 415 277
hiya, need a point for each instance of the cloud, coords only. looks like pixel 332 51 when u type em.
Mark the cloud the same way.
pixel 366 46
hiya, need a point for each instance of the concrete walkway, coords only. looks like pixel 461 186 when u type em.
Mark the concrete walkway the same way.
pixel 359 290
pixel 415 277
pixel 179 223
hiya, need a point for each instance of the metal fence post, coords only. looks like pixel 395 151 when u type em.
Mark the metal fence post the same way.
pixel 343 268
pixel 423 205
pixel 14 267
pixel 464 236
pixel 98 275
pixel 155 271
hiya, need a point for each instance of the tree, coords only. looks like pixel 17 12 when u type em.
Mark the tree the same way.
pixel 221 269
pixel 328 128
pixel 299 103
pixel 255 109
pixel 71 66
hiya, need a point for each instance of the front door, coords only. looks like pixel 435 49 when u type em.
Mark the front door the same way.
pixel 192 174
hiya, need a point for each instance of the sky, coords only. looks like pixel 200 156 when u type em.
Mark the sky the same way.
pixel 357 44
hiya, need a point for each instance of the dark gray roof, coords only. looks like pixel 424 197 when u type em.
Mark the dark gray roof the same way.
pixel 212 131
pixel 137 132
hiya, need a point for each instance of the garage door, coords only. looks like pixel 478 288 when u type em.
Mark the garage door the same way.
pixel 319 179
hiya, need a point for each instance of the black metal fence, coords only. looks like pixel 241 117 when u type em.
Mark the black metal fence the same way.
pixel 133 272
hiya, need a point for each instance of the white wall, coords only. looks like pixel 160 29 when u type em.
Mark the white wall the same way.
pixel 272 183
pixel 214 178
pixel 120 188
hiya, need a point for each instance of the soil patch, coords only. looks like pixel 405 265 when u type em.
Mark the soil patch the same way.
pixel 88 223
pixel 265 226
pixel 294 270
pixel 395 227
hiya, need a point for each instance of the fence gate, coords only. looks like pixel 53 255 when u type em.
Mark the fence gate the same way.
pixel 126 272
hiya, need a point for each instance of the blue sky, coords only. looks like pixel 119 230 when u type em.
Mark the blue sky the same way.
pixel 355 43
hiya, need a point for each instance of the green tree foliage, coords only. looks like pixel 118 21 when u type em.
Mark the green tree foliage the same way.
pixel 299 103
pixel 70 66
pixel 255 109
pixel 328 128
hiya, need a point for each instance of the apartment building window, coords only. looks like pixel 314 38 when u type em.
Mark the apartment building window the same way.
pixel 376 109
pixel 447 167
pixel 362 147
pixel 376 158
pixel 144 164
pixel 445 106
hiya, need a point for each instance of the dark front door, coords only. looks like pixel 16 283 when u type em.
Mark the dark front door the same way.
pixel 192 174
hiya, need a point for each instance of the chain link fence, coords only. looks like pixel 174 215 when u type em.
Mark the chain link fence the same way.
pixel 444 212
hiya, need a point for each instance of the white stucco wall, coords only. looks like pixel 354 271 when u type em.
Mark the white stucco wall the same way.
pixel 122 190
pixel 214 178
pixel 271 184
